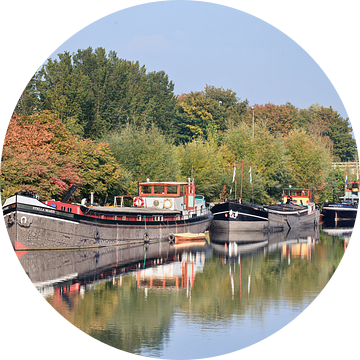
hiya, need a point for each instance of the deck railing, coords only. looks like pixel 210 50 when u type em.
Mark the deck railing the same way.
pixel 351 166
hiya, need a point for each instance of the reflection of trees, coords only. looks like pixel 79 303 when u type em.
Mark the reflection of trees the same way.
pixel 121 316
pixel 271 279
pixel 124 316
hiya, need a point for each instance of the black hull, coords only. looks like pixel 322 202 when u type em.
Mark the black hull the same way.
pixel 335 214
pixel 232 216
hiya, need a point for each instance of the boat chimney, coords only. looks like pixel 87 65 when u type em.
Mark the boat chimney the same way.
pixel 92 198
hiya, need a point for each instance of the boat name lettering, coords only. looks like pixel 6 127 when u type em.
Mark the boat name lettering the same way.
pixel 233 215
pixel 42 209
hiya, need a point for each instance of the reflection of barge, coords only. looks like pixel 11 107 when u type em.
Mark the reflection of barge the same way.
pixel 159 210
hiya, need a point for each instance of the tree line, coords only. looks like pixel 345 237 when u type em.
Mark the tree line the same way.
pixel 105 123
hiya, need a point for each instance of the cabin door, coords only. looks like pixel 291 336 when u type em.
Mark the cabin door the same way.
pixel 190 196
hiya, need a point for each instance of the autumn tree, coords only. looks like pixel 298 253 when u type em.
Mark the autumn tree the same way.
pixel 280 119
pixel 40 155
pixel 35 157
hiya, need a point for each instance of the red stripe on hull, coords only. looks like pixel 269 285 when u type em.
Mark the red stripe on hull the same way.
pixel 19 246
pixel 19 254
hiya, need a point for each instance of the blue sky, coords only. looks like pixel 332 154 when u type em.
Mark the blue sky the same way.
pixel 199 43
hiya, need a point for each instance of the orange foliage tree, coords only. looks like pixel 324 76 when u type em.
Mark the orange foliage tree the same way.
pixel 35 157
pixel 40 155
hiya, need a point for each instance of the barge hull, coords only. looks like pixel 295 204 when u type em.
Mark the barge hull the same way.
pixel 32 231
pixel 293 220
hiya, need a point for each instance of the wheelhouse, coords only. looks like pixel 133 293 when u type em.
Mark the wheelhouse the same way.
pixel 167 195
pixel 175 189
pixel 351 192
pixel 297 195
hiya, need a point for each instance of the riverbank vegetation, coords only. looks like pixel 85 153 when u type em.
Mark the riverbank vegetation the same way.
pixel 105 123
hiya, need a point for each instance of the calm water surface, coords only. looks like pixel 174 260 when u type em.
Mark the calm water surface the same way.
pixel 214 298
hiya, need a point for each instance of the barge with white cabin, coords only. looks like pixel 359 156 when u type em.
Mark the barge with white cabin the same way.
pixel 160 210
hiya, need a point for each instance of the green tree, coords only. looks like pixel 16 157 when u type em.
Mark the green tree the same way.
pixel 265 154
pixel 202 160
pixel 338 130
pixel 61 90
pixel 145 153
pixel 334 186
pixel 93 93
pixel 194 116
pixel 206 114
pixel 160 101
pixel 29 100
pixel 309 159
pixel 99 171
pixel 226 106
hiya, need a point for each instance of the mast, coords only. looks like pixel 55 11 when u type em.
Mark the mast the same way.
pixel 242 173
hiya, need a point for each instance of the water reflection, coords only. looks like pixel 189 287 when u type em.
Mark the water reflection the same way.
pixel 142 298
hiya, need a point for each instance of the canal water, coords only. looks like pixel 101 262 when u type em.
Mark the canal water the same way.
pixel 188 302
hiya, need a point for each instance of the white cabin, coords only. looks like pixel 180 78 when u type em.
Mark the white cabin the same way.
pixel 170 195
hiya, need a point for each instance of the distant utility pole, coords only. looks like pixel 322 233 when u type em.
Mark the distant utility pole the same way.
pixel 253 122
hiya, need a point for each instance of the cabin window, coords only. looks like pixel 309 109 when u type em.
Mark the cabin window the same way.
pixel 138 218
pixel 146 189
pixel 69 209
pixel 159 189
pixel 124 217
pixel 172 190
pixel 292 193
pixel 182 190
pixel 63 208
pixel 158 218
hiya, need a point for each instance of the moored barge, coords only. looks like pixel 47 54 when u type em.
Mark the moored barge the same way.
pixel 296 209
pixel 160 210
pixel 346 208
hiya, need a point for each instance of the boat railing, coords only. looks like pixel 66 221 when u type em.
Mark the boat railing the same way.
pixel 122 198
pixel 188 214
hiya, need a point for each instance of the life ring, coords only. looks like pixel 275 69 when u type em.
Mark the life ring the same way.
pixel 23 220
pixel 171 239
pixel 167 203
pixel 138 201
